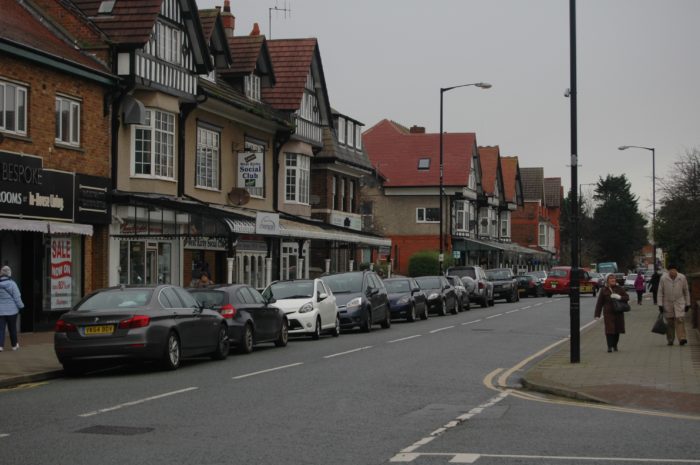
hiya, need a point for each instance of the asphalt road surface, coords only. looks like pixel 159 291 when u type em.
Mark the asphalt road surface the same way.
pixel 424 393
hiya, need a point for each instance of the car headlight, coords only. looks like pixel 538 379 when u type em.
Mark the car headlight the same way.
pixel 403 300
pixel 433 296
pixel 307 307
pixel 356 302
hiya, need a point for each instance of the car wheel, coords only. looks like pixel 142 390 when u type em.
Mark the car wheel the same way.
pixel 336 330
pixel 443 308
pixel 455 309
pixel 492 301
pixel 424 315
pixel 173 351
pixel 366 326
pixel 484 301
pixel 222 345
pixel 316 335
pixel 469 305
pixel 73 368
pixel 283 338
pixel 386 323
pixel 248 340
pixel 549 295
pixel 411 313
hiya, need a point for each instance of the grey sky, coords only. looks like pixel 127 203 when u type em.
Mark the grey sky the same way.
pixel 638 73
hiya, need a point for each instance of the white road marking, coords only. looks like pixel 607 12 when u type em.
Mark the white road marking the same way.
pixel 267 371
pixel 471 458
pixel 404 338
pixel 441 329
pixel 4 435
pixel 525 308
pixel 494 316
pixel 537 305
pixel 513 311
pixel 471 322
pixel 348 352
pixel 136 402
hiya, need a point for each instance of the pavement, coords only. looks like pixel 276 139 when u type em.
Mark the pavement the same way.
pixel 646 373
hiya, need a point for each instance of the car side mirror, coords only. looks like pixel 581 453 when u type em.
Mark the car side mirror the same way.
pixel 415 289
pixel 322 296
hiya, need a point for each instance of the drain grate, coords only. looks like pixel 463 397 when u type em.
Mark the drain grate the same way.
pixel 483 329
pixel 115 430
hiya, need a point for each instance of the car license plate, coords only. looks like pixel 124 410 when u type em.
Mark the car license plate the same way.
pixel 586 288
pixel 554 285
pixel 99 330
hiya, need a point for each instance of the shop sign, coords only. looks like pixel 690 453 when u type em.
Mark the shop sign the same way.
pixel 347 220
pixel 205 243
pixel 250 170
pixel 267 224
pixel 92 199
pixel 61 273
pixel 28 190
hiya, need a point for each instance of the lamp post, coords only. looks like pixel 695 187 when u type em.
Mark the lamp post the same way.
pixel 481 85
pixel 580 202
pixel 653 198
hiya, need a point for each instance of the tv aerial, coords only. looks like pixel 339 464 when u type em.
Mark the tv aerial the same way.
pixel 286 9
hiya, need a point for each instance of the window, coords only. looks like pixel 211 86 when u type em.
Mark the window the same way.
pixel 493 229
pixel 461 215
pixel 472 176
pixel 358 136
pixel 67 121
pixel 154 145
pixel 169 43
pixel 309 108
pixel 297 174
pixel 341 130
pixel 212 74
pixel 256 147
pixel 252 87
pixel 428 215
pixel 424 163
pixel 351 133
pixel 341 196
pixel 207 161
pixel 542 235
pixel 334 193
pixel 13 108
pixel 505 224
pixel 351 197
pixel 472 218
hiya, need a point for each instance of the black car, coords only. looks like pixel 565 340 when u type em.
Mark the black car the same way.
pixel 442 297
pixel 505 286
pixel 483 289
pixel 529 285
pixel 162 323
pixel 462 293
pixel 250 318
pixel 361 298
pixel 406 299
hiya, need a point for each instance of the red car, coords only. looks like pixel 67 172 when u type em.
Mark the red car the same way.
pixel 559 282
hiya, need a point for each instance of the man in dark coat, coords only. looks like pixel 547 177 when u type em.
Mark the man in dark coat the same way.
pixel 654 284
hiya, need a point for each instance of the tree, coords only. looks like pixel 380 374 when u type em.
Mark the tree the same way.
pixel 678 219
pixel 587 246
pixel 619 229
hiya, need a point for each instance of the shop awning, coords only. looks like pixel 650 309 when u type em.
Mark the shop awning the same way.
pixel 291 228
pixel 465 244
pixel 45 227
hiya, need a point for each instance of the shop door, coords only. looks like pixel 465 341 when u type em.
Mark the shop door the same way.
pixel 289 261
pixel 151 266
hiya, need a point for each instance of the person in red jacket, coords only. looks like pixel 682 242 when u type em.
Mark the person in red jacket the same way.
pixel 639 287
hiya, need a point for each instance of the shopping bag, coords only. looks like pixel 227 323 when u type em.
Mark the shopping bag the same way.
pixel 660 325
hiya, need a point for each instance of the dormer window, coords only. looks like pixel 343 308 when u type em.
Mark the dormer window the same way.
pixel 211 77
pixel 169 43
pixel 341 130
pixel 351 133
pixel 358 136
pixel 252 87
pixel 424 163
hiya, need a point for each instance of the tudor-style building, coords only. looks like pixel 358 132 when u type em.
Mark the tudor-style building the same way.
pixel 55 157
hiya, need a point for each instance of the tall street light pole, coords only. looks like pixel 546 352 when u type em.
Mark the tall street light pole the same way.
pixel 575 294
pixel 481 85
pixel 653 194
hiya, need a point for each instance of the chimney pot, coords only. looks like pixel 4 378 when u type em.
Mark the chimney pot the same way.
pixel 417 129
pixel 256 30
pixel 227 18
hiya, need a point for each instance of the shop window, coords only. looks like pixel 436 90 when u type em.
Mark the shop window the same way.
pixel 145 263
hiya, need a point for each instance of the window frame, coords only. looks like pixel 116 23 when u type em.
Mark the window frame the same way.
pixel 300 174
pixel 73 121
pixel 421 164
pixel 425 215
pixel 341 130
pixel 350 134
pixel 251 85
pixel 358 137
pixel 153 130
pixel 212 160
pixel 18 116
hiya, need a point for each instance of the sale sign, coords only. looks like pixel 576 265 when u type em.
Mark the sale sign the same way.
pixel 61 273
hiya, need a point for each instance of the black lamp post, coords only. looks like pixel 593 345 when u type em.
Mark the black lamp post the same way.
pixel 482 85
pixel 653 199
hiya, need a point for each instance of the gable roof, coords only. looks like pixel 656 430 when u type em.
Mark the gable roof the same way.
pixel 489 159
pixel 291 59
pixel 533 183
pixel 552 192
pixel 208 20
pixel 509 169
pixel 22 28
pixel 395 152
pixel 215 37
pixel 250 53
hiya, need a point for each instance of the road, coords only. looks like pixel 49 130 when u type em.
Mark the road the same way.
pixel 424 393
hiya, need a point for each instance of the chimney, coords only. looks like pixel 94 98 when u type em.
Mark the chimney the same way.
pixel 256 30
pixel 228 19
pixel 417 129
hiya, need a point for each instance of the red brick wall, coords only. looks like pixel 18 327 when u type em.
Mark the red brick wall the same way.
pixel 524 224
pixel 408 246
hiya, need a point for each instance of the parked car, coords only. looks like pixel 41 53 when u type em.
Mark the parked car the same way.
pixel 309 305
pixel 361 298
pixel 597 281
pixel 529 285
pixel 442 297
pixel 406 299
pixel 505 286
pixel 559 281
pixel 629 282
pixel 540 274
pixel 461 290
pixel 251 319
pixel 483 290
pixel 162 323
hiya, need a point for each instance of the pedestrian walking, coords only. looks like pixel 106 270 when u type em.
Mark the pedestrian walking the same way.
pixel 614 322
pixel 654 285
pixel 10 305
pixel 675 302
pixel 639 286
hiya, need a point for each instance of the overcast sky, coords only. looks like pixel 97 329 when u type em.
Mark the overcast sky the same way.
pixel 638 73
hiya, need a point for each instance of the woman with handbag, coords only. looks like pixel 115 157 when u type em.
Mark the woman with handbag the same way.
pixel 614 321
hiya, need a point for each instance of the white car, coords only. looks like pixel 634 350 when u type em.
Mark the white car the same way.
pixel 309 305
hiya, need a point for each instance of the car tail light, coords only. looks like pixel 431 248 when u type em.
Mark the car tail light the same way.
pixel 228 311
pixel 64 327
pixel 138 321
pixel 481 285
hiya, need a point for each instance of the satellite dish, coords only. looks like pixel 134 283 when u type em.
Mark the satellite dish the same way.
pixel 238 196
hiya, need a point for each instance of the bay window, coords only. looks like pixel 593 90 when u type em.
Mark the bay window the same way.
pixel 207 158
pixel 297 178
pixel 154 146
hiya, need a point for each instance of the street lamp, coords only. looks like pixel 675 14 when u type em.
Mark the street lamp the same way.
pixel 481 85
pixel 580 201
pixel 653 198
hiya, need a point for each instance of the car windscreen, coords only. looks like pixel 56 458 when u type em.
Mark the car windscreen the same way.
pixel 466 272
pixel 116 299
pixel 498 274
pixel 558 274
pixel 397 286
pixel 290 290
pixel 209 298
pixel 429 282
pixel 344 283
